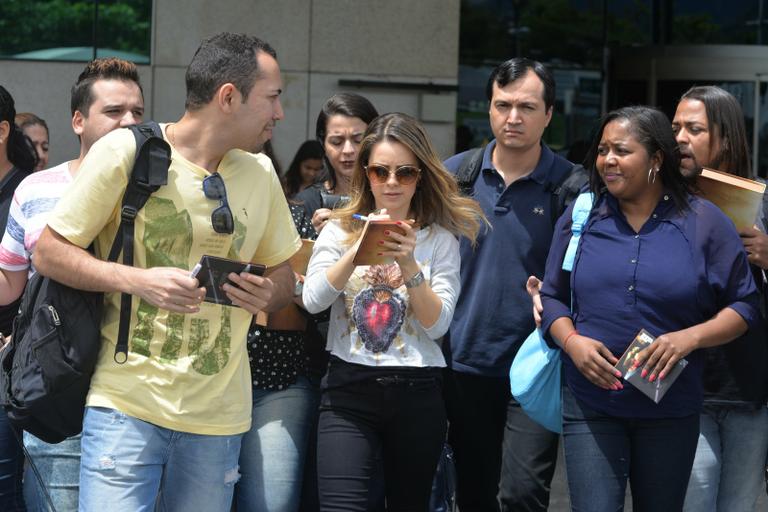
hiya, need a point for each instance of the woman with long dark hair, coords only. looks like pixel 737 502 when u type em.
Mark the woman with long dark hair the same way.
pixel 340 127
pixel 17 160
pixel 651 256
pixel 305 168
pixel 287 354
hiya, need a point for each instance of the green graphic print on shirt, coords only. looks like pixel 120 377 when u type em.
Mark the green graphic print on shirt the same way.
pixel 168 243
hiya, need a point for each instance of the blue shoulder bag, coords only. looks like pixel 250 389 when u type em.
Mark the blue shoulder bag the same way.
pixel 535 375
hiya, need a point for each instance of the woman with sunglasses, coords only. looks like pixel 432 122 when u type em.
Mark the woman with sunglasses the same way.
pixel 382 392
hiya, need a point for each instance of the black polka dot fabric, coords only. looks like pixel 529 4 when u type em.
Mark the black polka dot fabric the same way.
pixel 277 357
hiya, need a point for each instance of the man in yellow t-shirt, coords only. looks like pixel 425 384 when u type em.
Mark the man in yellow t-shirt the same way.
pixel 165 426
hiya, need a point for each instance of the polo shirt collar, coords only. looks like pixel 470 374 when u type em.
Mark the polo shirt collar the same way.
pixel 540 172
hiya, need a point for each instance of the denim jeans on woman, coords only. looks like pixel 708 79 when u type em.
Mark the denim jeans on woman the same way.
pixel 11 467
pixel 400 416
pixel 274 450
pixel 728 471
pixel 129 465
pixel 59 468
pixel 602 452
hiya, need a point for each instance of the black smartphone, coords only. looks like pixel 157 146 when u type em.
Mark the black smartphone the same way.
pixel 332 201
pixel 212 272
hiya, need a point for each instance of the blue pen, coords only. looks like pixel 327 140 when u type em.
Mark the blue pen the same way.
pixel 360 217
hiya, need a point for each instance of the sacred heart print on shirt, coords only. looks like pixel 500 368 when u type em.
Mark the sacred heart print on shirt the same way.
pixel 378 311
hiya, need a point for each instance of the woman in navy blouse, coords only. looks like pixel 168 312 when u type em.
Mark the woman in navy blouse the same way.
pixel 654 257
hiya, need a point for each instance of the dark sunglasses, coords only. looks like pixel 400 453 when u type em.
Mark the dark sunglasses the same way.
pixel 221 217
pixel 405 174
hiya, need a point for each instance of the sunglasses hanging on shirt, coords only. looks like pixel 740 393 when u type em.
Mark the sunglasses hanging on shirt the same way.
pixel 221 217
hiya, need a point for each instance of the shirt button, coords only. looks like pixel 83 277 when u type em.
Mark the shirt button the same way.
pixel 631 288
pixel 637 236
pixel 634 260
pixel 666 197
pixel 655 215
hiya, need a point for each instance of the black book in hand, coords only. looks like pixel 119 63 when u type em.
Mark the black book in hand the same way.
pixel 658 388
pixel 213 272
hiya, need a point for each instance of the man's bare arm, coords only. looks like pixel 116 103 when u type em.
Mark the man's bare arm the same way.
pixel 165 287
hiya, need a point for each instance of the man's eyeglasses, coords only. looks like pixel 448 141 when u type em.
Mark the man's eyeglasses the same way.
pixel 221 217
pixel 405 174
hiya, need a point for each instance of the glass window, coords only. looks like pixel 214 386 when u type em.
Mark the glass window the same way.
pixel 75 30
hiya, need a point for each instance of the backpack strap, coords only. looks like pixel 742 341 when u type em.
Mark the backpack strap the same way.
pixel 150 172
pixel 581 210
pixel 469 169
pixel 565 190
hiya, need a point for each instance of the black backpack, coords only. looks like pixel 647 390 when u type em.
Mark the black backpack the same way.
pixel 45 371
pixel 563 191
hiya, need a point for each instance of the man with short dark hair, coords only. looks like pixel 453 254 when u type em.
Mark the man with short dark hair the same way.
pixel 164 428
pixel 107 95
pixel 498 449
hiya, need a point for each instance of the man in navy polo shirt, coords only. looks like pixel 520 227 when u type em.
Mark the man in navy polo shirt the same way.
pixel 498 449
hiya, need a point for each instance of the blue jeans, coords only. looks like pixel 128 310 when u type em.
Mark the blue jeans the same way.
pixel 273 451
pixel 129 465
pixel 603 452
pixel 11 467
pixel 59 467
pixel 730 459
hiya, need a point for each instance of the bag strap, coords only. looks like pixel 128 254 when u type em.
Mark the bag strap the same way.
pixel 581 210
pixel 150 172
pixel 566 190
pixel 469 169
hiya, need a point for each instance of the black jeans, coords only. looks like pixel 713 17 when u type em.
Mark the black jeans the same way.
pixel 398 416
pixel 504 460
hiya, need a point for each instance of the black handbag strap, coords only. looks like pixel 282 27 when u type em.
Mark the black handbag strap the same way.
pixel 150 172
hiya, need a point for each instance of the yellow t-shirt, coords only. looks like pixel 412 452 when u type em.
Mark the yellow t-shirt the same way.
pixel 184 372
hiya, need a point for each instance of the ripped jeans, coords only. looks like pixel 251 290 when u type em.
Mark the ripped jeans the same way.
pixel 135 466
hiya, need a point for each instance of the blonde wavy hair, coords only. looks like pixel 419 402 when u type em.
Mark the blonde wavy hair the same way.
pixel 437 199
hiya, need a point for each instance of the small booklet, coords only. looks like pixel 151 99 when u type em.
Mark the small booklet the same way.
pixel 369 249
pixel 212 272
pixel 658 388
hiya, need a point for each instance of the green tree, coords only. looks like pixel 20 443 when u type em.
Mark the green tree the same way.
pixel 29 25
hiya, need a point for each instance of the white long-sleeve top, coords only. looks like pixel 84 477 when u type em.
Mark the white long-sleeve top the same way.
pixel 371 321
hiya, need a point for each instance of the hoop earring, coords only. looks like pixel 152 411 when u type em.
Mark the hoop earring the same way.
pixel 652 175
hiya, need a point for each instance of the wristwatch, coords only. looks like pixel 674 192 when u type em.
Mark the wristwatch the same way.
pixel 416 280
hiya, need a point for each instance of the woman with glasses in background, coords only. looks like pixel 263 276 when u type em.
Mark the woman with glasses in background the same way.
pixel 382 392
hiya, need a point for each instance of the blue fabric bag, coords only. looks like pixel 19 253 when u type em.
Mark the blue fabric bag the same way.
pixel 536 373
